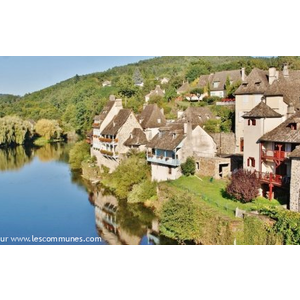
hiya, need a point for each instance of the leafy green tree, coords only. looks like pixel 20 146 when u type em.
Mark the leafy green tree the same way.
pixel 79 153
pixel 201 67
pixel 170 93
pixel 142 192
pixel 180 219
pixel 48 129
pixel 130 172
pixel 188 168
pixel 15 131
pixel 127 87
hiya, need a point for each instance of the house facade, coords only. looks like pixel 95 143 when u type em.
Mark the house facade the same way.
pixel 216 82
pixel 173 145
pixel 281 91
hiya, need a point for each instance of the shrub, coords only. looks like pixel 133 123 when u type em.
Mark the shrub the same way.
pixel 244 186
pixel 78 154
pixel 48 129
pixel 188 168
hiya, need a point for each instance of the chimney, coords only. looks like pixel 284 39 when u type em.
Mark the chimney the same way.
pixel 290 110
pixel 162 110
pixel 179 114
pixel 112 98
pixel 119 103
pixel 272 75
pixel 285 71
pixel 243 74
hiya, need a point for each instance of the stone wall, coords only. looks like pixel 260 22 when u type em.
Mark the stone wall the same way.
pixel 295 185
pixel 210 166
pixel 225 142
pixel 101 160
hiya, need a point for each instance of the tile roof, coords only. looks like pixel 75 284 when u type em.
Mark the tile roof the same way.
pixel 106 109
pixel 156 92
pixel 262 110
pixel 295 153
pixel 221 77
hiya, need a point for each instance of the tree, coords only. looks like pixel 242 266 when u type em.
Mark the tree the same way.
pixel 15 131
pixel 48 129
pixel 198 68
pixel 243 186
pixel 78 154
pixel 188 168
pixel 126 87
pixel 170 94
pixel 137 76
pixel 180 219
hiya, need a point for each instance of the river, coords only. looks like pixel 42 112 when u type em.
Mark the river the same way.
pixel 44 202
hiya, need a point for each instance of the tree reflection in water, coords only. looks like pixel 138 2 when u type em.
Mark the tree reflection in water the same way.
pixel 14 158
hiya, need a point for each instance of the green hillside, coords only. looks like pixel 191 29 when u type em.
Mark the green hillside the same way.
pixel 75 101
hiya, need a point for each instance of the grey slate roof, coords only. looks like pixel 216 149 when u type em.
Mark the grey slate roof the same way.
pixel 284 133
pixel 150 116
pixel 137 138
pixel 169 137
pixel 262 110
pixel 184 88
pixel 117 122
pixel 257 82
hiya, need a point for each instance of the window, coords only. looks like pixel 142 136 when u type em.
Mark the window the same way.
pixel 170 171
pixel 251 162
pixel 197 165
pixel 251 122
pixel 242 144
pixel 216 84
pixel 293 126
pixel 158 121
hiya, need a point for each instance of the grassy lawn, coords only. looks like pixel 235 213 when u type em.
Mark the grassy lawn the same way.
pixel 212 192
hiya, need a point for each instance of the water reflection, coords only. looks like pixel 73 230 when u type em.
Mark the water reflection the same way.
pixel 15 158
pixel 119 223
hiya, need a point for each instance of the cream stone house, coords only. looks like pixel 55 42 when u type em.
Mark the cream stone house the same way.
pixel 217 82
pixel 281 91
pixel 173 145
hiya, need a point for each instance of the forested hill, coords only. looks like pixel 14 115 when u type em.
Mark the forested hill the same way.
pixel 75 101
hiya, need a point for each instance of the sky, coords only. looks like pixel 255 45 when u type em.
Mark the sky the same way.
pixel 20 75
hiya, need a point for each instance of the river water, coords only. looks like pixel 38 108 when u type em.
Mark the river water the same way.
pixel 44 202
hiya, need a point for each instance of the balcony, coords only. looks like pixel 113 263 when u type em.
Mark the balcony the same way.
pixel 109 154
pixel 108 140
pixel 169 161
pixel 274 155
pixel 270 178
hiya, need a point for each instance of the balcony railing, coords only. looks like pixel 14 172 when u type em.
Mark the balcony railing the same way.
pixel 163 160
pixel 275 179
pixel 274 154
pixel 108 140
pixel 109 154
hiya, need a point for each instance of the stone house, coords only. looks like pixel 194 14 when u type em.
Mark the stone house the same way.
pixel 110 110
pixel 278 151
pixel 116 133
pixel 281 91
pixel 217 82
pixel 151 119
pixel 185 88
pixel 137 140
pixel 173 145
pixel 156 92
